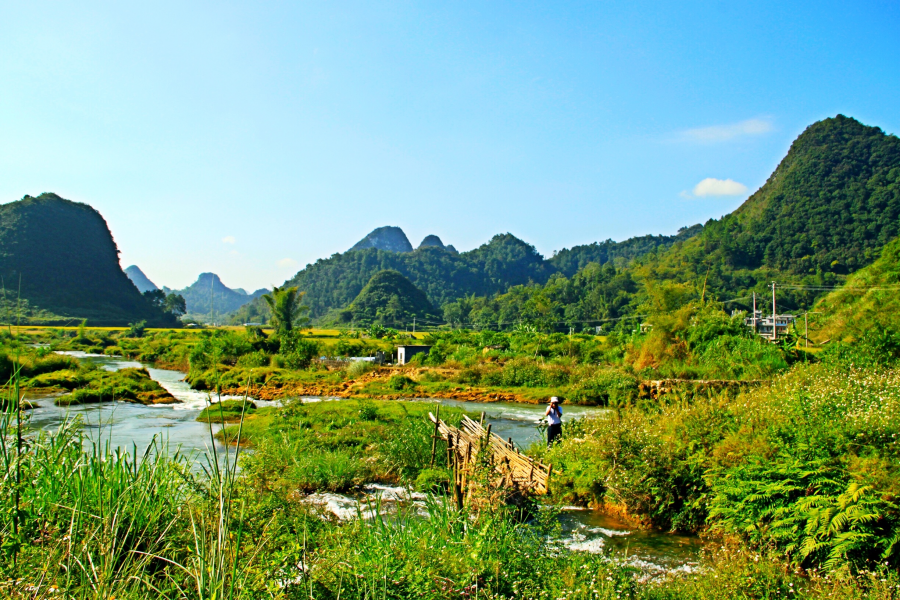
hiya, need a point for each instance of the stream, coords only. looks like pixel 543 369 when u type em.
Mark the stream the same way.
pixel 127 425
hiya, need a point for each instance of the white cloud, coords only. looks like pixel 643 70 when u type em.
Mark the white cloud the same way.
pixel 285 263
pixel 725 133
pixel 228 239
pixel 716 187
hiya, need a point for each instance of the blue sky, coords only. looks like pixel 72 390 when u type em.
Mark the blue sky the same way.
pixel 251 139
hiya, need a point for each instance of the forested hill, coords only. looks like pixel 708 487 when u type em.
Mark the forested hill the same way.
pixel 389 299
pixel 442 274
pixel 570 261
pixel 827 210
pixel 831 204
pixel 68 264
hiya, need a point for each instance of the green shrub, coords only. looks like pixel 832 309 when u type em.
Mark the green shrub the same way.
pixel 253 360
pixel 608 387
pixel 358 368
pixel 433 480
pixel 368 411
pixel 401 383
pixel 136 330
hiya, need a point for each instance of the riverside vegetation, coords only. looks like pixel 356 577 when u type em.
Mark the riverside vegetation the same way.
pixel 797 479
pixel 792 471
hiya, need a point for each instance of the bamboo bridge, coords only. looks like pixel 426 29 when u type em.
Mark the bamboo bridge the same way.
pixel 472 443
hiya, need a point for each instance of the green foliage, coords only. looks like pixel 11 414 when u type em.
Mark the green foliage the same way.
pixel 337 445
pixel 358 368
pixel 286 308
pixel 877 347
pixel 92 386
pixel 867 302
pixel 368 411
pixel 297 350
pixel 226 411
pixel 808 466
pixel 401 383
pixel 443 275
pixel 570 261
pixel 433 480
pixel 136 330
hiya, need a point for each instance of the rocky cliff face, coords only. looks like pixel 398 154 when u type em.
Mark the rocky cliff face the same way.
pixel 388 238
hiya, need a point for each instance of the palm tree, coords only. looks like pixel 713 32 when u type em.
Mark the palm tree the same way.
pixel 284 302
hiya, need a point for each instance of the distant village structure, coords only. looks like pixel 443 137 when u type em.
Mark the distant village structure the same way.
pixel 771 326
pixel 405 353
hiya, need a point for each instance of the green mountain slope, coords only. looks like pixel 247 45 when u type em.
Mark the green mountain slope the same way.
pixel 869 300
pixel 389 299
pixel 442 274
pixel 830 206
pixel 570 261
pixel 68 264
pixel 827 210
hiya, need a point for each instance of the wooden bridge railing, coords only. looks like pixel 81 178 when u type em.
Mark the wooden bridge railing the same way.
pixel 472 441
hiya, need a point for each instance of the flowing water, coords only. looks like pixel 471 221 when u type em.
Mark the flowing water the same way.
pixel 128 425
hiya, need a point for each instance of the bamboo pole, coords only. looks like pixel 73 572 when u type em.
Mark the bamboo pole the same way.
pixel 434 436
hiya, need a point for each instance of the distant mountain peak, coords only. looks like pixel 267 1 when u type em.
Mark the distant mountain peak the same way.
pixel 387 238
pixel 140 281
pixel 209 294
pixel 432 240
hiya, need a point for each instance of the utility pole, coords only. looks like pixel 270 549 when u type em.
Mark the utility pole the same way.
pixel 414 325
pixel 755 326
pixel 705 279
pixel 774 315
pixel 806 328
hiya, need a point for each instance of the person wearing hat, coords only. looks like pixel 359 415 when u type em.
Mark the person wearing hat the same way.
pixel 554 417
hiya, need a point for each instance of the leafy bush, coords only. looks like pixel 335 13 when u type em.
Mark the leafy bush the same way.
pixel 433 480
pixel 358 368
pixel 253 360
pixel 297 350
pixel 401 382
pixel 136 330
pixel 876 347
pixel 609 387
pixel 368 411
